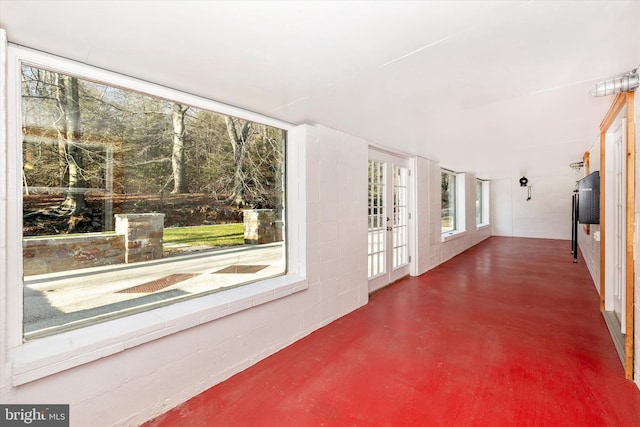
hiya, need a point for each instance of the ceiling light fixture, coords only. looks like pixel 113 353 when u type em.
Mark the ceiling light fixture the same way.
pixel 626 82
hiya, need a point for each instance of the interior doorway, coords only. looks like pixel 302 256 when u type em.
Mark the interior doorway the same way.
pixel 617 163
pixel 388 256
pixel 616 222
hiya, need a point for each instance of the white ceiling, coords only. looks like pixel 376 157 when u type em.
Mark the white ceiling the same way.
pixel 496 88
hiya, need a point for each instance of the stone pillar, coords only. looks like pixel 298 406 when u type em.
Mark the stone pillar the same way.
pixel 279 230
pixel 259 226
pixel 143 235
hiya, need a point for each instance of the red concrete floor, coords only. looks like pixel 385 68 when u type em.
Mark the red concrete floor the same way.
pixel 506 334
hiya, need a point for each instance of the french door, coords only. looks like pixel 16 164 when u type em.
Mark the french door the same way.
pixel 388 214
pixel 617 230
pixel 615 284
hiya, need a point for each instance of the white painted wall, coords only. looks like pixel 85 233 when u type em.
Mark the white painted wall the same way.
pixel 589 246
pixel 138 383
pixel 141 382
pixel 4 379
pixel 131 386
pixel 547 215
pixel 431 250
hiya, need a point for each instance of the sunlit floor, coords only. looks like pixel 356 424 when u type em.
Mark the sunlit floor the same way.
pixel 508 333
pixel 52 301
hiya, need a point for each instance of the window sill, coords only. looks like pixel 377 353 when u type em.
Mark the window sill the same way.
pixel 453 235
pixel 47 356
pixel 482 226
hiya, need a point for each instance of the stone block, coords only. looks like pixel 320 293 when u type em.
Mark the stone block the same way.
pixel 139 232
pixel 35 266
pixel 143 235
pixel 259 226
pixel 86 254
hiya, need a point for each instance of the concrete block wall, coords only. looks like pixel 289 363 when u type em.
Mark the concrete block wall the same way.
pixel 590 250
pixel 423 230
pixel 336 219
pixel 589 244
pixel 145 380
pixel 431 250
pixel 547 215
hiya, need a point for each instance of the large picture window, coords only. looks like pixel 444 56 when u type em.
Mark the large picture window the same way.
pixel 453 196
pixel 479 203
pixel 132 201
pixel 448 202
pixel 482 202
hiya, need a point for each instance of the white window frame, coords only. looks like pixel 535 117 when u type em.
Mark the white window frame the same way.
pixel 460 208
pixel 485 204
pixel 455 202
pixel 48 355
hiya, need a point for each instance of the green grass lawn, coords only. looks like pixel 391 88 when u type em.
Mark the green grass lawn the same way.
pixel 211 235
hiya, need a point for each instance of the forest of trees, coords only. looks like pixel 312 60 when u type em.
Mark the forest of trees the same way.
pixel 83 137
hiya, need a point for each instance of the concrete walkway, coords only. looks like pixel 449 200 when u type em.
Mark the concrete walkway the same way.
pixel 66 300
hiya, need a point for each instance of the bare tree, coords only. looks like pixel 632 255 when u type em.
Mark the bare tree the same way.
pixel 178 156
pixel 86 137
pixel 238 140
pixel 69 151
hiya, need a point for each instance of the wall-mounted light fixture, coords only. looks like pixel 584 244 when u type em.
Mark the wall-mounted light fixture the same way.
pixel 523 183
pixel 626 82
pixel 576 166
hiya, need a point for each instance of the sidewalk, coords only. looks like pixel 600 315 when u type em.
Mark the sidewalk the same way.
pixel 65 300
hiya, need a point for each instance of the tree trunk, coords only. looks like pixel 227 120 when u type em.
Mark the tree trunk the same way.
pixel 178 157
pixel 70 154
pixel 238 141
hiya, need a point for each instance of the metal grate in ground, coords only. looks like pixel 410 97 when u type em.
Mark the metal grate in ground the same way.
pixel 156 285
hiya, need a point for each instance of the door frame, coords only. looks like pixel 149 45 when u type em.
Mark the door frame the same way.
pixel 377 153
pixel 615 222
pixel 622 100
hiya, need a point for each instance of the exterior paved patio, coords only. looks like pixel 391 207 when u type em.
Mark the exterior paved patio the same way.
pixel 59 301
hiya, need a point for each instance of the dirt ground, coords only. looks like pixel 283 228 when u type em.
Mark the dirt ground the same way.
pixel 42 216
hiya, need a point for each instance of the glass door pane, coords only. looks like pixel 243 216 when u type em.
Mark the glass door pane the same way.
pixel 400 216
pixel 377 222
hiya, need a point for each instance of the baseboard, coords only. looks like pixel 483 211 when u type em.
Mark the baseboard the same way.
pixel 613 324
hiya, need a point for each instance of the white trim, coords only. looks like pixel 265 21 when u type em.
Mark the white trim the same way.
pixel 460 206
pixel 450 235
pixel 80 70
pixel 4 261
pixel 486 202
pixel 390 157
pixel 13 238
pixel 461 202
pixel 413 217
pixel 46 356
pixel 392 152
